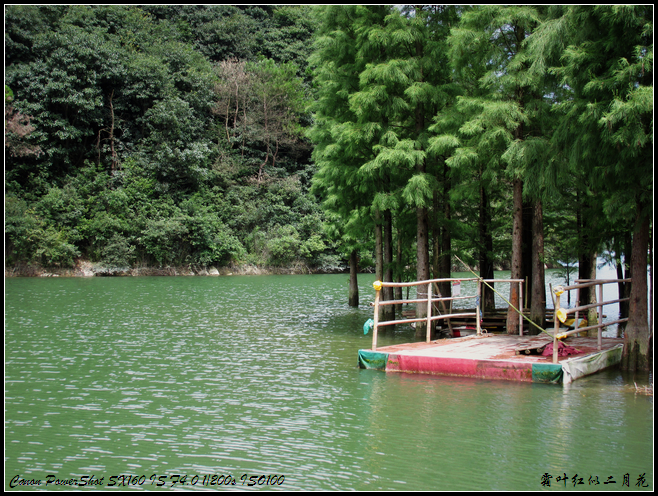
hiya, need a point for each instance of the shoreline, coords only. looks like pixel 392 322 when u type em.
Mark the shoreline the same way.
pixel 88 269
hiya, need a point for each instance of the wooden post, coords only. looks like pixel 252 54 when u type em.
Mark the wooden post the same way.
pixel 520 308
pixel 376 319
pixel 600 329
pixel 478 303
pixel 429 313
pixel 556 327
pixel 575 322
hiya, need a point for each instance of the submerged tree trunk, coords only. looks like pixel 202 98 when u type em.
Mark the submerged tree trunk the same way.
pixel 538 306
pixel 397 293
pixel 486 250
pixel 387 292
pixel 526 258
pixel 379 255
pixel 353 298
pixel 445 265
pixel 592 313
pixel 517 247
pixel 637 336
pixel 584 251
pixel 422 267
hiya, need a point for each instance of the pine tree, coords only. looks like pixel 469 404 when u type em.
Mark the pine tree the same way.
pixel 605 133
pixel 340 149
pixel 490 61
pixel 402 90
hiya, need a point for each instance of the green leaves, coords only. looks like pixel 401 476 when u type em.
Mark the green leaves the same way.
pixel 130 90
pixel 419 190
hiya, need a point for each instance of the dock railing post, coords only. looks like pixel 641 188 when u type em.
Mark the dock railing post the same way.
pixel 520 308
pixel 429 313
pixel 600 328
pixel 478 303
pixel 556 327
pixel 378 288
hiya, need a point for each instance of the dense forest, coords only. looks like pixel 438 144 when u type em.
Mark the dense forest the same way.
pixel 316 138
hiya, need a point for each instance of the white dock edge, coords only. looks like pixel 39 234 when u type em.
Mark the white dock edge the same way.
pixel 575 368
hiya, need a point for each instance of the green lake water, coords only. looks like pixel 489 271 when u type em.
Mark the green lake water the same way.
pixel 246 376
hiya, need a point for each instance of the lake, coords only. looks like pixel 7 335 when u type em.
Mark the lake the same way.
pixel 200 382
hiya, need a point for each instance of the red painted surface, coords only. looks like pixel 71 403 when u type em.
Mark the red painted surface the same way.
pixel 462 367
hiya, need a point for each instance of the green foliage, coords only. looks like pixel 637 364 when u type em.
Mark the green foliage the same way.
pixel 181 134
pixel 118 252
pixel 33 240
pixel 163 239
pixel 123 101
pixel 602 59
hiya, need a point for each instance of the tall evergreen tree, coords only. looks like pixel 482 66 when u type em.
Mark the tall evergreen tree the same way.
pixel 340 150
pixel 603 57
pixel 489 58
pixel 401 92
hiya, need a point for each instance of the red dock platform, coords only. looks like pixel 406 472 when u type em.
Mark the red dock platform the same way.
pixel 496 356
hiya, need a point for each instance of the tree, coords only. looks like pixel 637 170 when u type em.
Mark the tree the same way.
pixel 340 149
pixel 278 102
pixel 606 126
pixel 404 87
pixel 499 136
pixel 17 129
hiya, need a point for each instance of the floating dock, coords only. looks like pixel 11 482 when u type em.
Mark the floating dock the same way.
pixel 496 356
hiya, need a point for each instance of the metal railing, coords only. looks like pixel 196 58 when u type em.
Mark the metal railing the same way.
pixel 430 299
pixel 580 284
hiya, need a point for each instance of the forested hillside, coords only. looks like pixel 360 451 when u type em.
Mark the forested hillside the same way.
pixel 160 135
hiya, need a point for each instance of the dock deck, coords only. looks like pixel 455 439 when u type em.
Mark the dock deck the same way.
pixel 496 356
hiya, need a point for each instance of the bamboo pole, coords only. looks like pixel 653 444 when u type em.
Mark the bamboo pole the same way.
pixel 556 328
pixel 393 284
pixel 520 308
pixel 428 331
pixel 424 319
pixel 600 322
pixel 376 319
pixel 584 283
pixel 577 303
pixel 478 303
pixel 584 329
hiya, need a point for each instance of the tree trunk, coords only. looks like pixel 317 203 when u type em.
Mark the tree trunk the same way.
pixel 387 292
pixel 379 255
pixel 584 252
pixel 526 258
pixel 538 308
pixel 422 266
pixel 114 153
pixel 422 224
pixel 353 298
pixel 445 266
pixel 436 234
pixel 517 254
pixel 398 278
pixel 624 272
pixel 637 336
pixel 592 317
pixel 486 249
